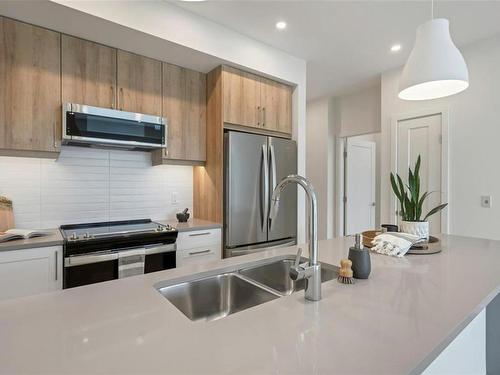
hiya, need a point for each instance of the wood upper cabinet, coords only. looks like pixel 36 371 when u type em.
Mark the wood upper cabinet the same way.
pixel 184 106
pixel 241 97
pixel 254 101
pixel 139 84
pixel 88 72
pixel 30 87
pixel 276 103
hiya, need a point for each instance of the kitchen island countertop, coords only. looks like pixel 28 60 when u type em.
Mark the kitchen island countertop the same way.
pixel 396 322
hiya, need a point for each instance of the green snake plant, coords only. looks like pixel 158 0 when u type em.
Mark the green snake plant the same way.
pixel 409 197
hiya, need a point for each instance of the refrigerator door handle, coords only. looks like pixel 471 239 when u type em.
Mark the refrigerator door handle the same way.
pixel 265 194
pixel 273 168
pixel 273 177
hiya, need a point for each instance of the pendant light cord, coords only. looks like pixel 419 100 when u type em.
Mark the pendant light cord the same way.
pixel 432 9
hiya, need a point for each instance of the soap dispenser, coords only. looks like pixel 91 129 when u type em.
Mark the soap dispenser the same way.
pixel 360 258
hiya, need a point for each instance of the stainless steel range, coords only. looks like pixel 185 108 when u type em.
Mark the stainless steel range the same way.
pixel 105 251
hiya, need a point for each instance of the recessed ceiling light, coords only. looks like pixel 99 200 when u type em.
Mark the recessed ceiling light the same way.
pixel 281 25
pixel 396 48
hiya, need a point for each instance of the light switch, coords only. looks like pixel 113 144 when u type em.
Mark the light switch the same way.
pixel 174 198
pixel 486 201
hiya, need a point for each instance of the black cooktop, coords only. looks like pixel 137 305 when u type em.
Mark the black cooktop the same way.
pixel 111 235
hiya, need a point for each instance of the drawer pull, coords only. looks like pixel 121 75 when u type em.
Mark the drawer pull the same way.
pixel 199 252
pixel 199 234
pixel 56 256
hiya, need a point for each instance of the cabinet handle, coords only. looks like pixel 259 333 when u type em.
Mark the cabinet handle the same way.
pixel 121 98
pixel 199 252
pixel 113 97
pixel 56 261
pixel 199 234
pixel 264 116
pixel 258 115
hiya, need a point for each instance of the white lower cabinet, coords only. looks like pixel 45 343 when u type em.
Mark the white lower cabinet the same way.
pixel 30 271
pixel 195 247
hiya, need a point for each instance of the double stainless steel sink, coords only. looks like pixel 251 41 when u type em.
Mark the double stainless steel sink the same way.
pixel 214 295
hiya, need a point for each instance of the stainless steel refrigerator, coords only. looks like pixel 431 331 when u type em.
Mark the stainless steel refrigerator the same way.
pixel 253 166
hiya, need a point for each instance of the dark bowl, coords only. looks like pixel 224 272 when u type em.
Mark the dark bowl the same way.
pixel 182 217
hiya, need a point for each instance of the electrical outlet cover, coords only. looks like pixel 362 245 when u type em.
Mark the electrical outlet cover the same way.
pixel 174 198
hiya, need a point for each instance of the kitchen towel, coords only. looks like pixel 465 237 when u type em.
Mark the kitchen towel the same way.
pixel 131 263
pixel 394 244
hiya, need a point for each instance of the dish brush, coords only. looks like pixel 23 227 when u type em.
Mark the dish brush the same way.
pixel 345 273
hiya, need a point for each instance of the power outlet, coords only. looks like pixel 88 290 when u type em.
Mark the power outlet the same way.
pixel 486 201
pixel 174 198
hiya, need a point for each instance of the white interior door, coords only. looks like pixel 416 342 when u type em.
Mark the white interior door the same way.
pixel 360 186
pixel 422 136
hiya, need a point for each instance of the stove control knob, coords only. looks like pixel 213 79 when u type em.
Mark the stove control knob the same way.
pixel 159 228
pixel 86 235
pixel 73 236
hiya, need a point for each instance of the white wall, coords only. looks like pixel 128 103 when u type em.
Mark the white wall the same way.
pixel 360 112
pixel 474 131
pixel 320 162
pixel 355 114
pixel 89 185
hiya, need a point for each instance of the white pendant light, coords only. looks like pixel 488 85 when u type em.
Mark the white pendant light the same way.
pixel 435 68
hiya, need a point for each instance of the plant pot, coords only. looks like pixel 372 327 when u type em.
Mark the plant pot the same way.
pixel 418 228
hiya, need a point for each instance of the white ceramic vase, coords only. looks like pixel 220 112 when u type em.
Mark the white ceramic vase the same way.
pixel 418 228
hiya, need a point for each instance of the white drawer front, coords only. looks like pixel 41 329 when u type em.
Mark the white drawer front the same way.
pixel 198 255
pixel 198 238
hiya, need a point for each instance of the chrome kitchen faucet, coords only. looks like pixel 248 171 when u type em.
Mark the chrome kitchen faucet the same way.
pixel 310 271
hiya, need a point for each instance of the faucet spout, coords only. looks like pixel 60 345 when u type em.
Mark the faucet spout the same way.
pixel 311 272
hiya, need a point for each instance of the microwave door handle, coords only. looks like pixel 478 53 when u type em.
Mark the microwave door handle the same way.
pixel 265 186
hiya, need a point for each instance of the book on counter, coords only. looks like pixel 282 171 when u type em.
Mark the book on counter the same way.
pixel 19 234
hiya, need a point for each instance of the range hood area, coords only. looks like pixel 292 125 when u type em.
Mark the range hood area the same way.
pixel 84 125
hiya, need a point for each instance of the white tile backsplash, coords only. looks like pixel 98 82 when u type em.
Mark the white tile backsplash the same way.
pixel 86 185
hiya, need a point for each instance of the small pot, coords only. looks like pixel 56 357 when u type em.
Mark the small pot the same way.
pixel 417 228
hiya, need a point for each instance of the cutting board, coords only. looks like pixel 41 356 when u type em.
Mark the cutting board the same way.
pixel 6 218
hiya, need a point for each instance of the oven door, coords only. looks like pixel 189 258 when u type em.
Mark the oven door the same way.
pixel 103 266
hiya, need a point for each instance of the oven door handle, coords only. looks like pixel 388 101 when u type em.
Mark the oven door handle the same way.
pixel 157 249
pixel 79 260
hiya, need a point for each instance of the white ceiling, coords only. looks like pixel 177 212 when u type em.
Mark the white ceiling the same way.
pixel 346 43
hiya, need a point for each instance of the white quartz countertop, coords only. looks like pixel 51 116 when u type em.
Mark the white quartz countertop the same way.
pixel 396 322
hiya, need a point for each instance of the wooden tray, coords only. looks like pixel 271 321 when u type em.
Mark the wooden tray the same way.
pixel 432 246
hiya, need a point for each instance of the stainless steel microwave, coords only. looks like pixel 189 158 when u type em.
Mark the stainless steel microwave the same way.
pixel 85 125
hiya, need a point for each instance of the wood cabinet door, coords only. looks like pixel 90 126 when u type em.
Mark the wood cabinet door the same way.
pixel 276 106
pixel 139 84
pixel 184 106
pixel 241 97
pixel 30 87
pixel 88 73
